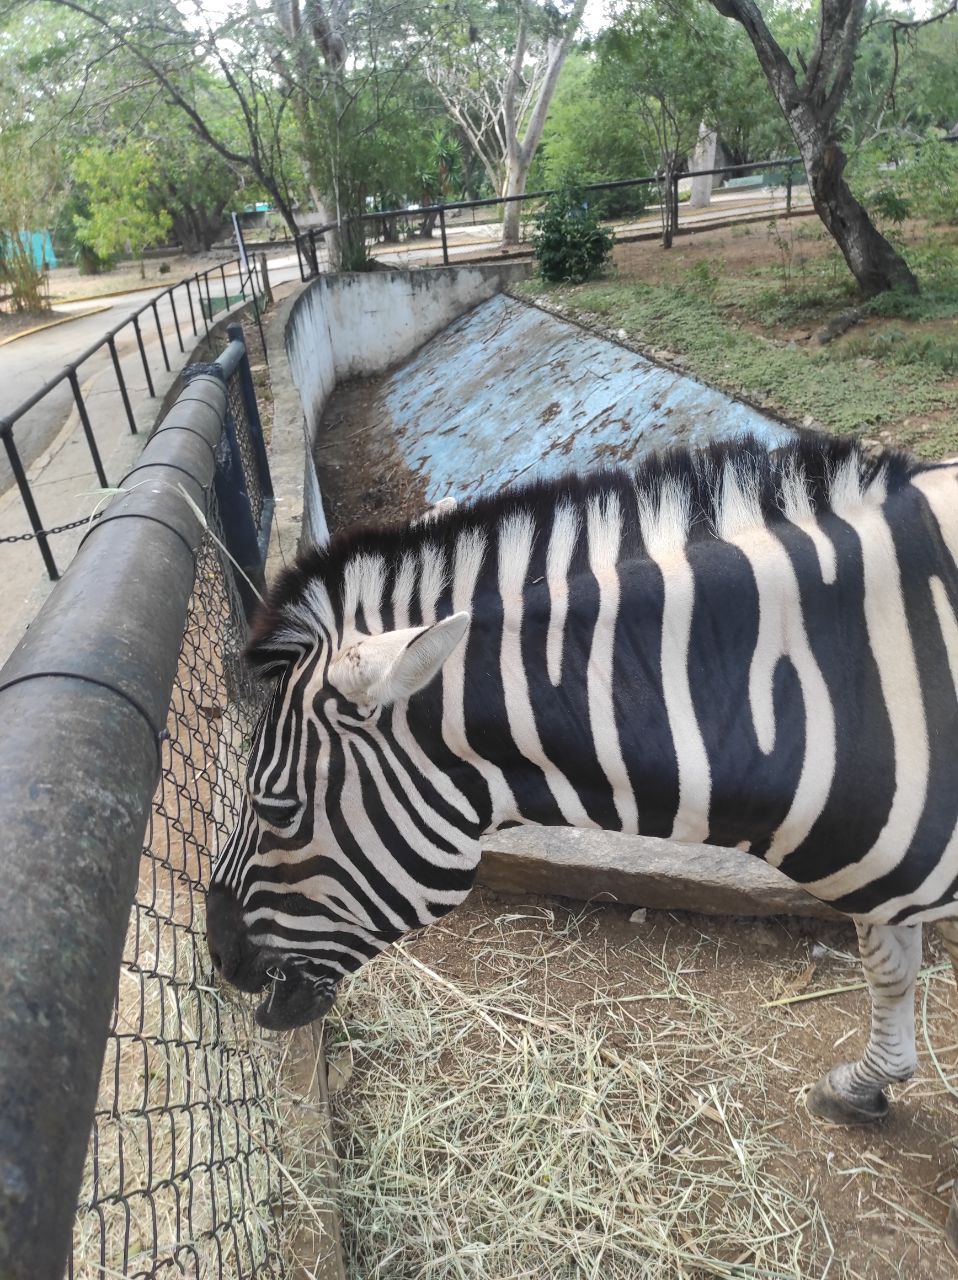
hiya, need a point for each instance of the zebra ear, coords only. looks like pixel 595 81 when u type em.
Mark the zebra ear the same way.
pixel 377 670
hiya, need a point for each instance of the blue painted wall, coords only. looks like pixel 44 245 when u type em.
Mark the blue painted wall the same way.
pixel 40 246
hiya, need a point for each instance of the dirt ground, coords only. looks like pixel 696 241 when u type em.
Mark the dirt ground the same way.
pixel 742 249
pixel 363 476
pixel 883 1189
pixel 16 322
pixel 66 283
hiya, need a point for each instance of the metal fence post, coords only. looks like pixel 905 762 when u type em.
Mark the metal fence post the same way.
pixel 121 383
pixel 189 299
pixel 87 427
pixel 208 313
pixel 146 363
pixel 442 232
pixel 16 466
pixel 159 334
pixel 176 322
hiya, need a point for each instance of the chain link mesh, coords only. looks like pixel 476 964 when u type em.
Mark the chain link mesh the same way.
pixel 236 407
pixel 182 1174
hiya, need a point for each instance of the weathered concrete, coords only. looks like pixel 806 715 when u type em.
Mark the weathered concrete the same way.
pixel 511 392
pixel 640 872
pixel 352 325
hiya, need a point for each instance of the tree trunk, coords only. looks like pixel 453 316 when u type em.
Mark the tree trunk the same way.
pixel 427 225
pixel 703 158
pixel 874 263
pixel 811 108
pixel 669 191
pixel 515 186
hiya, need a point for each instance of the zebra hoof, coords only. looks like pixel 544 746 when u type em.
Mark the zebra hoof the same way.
pixel 951 1223
pixel 825 1102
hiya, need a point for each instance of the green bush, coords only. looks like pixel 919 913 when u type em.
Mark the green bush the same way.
pixel 570 245
pixel 932 180
pixel 907 181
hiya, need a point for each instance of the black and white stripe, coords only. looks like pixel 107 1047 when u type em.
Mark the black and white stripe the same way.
pixel 746 649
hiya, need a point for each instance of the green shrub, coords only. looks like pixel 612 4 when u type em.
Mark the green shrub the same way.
pixel 907 181
pixel 932 179
pixel 570 245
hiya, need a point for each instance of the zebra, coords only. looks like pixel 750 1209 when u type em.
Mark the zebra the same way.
pixel 751 649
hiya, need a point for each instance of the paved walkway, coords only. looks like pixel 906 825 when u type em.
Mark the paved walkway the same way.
pixel 61 473
pixel 468 240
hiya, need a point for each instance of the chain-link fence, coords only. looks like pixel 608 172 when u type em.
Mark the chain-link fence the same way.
pixel 183 1168
pixel 181 1178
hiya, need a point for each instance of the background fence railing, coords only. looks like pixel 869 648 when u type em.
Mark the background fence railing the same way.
pixel 130 1085
pixel 782 171
pixel 191 304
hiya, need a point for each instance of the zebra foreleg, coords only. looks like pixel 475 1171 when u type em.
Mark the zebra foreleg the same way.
pixel 854 1093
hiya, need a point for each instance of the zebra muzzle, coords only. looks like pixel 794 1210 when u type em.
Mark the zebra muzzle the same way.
pixel 293 999
pixel 235 956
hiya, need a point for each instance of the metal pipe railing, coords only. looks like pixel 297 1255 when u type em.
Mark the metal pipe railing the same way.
pixel 83 711
pixel 306 243
pixel 108 341
pixel 83 704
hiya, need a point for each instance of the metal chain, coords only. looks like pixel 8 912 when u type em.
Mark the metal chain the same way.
pixel 60 528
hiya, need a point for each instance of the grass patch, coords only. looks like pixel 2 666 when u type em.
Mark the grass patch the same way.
pixel 796 383
pixel 747 328
pixel 935 354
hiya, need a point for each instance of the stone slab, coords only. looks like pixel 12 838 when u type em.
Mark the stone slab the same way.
pixel 641 872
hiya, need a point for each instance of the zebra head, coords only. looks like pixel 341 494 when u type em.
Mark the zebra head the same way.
pixel 339 847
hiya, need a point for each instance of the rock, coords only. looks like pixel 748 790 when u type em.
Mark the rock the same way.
pixel 339 1072
pixel 638 916
pixel 621 335
pixel 634 870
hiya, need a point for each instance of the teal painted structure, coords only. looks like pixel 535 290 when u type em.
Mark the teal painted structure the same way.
pixel 40 247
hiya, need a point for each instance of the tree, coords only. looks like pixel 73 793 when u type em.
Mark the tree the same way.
pixel 810 100
pixel 121 215
pixel 497 78
pixel 591 132
pixel 672 60
pixel 31 183
pixel 190 65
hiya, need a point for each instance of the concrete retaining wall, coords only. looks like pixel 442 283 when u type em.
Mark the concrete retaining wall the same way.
pixel 358 324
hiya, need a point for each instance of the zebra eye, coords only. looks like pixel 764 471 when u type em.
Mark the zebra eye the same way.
pixel 276 811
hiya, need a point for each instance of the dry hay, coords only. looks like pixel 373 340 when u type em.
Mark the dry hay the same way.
pixel 543 1126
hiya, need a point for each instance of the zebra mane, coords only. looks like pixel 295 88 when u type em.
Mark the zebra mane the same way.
pixel 722 490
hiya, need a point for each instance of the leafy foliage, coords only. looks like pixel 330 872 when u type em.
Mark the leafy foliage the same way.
pixel 896 182
pixel 121 213
pixel 570 245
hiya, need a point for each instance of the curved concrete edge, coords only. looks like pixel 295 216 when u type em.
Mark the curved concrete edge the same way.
pixel 342 326
pixel 641 872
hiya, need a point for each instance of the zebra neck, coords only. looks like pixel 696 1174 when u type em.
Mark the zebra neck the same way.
pixel 560 707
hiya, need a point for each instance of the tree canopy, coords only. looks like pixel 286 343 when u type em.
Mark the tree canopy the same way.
pixel 337 107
